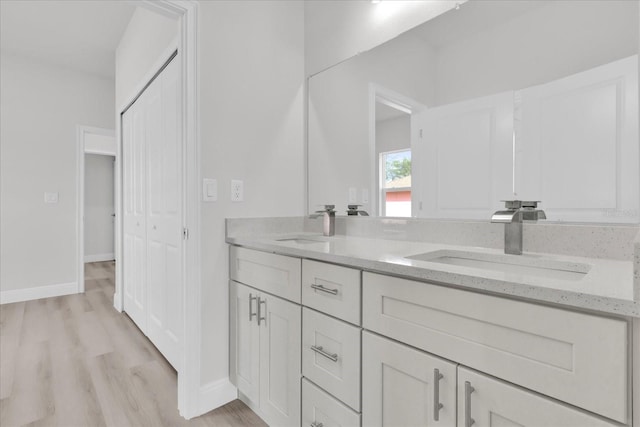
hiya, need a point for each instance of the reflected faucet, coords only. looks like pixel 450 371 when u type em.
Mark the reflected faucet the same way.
pixel 329 219
pixel 515 212
pixel 352 210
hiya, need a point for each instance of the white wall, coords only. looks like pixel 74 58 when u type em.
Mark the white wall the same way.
pixel 98 208
pixel 252 78
pixel 336 29
pixel 41 105
pixel 147 36
pixel 565 43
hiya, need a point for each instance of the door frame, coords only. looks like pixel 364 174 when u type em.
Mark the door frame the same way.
pixel 186 13
pixel 81 151
pixel 391 98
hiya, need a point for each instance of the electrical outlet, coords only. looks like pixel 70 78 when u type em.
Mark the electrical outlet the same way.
pixel 237 190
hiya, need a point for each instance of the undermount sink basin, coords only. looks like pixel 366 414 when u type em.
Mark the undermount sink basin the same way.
pixel 299 241
pixel 527 265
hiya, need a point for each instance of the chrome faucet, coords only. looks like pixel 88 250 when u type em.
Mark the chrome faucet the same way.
pixel 329 219
pixel 515 212
pixel 352 210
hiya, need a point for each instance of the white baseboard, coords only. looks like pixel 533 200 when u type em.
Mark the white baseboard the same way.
pixel 215 394
pixel 28 294
pixel 99 257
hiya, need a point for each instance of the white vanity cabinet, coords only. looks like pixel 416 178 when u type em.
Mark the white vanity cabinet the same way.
pixel 367 349
pixel 402 386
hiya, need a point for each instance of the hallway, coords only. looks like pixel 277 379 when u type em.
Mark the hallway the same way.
pixel 75 361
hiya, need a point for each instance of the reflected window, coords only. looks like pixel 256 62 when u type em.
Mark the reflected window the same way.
pixel 395 178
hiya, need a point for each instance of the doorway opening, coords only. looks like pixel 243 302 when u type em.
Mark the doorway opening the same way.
pixel 390 136
pixel 97 194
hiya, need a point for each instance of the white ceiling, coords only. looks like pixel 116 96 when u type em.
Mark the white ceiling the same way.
pixel 79 34
pixel 384 112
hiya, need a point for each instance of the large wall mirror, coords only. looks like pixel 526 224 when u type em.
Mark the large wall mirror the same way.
pixel 494 100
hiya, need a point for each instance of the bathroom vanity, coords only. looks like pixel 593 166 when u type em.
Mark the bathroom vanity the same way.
pixel 357 331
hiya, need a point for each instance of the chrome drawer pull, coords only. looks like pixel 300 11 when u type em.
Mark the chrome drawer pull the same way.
pixel 468 421
pixel 260 302
pixel 315 424
pixel 325 290
pixel 437 376
pixel 251 313
pixel 333 357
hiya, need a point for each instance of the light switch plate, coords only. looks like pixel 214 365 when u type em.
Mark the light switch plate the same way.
pixel 51 198
pixel 365 195
pixel 353 195
pixel 209 190
pixel 237 190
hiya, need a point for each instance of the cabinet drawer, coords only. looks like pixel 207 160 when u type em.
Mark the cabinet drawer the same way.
pixel 332 289
pixel 575 357
pixel 276 274
pixel 321 409
pixel 493 402
pixel 331 356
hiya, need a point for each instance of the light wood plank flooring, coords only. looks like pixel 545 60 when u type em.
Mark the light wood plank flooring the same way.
pixel 75 361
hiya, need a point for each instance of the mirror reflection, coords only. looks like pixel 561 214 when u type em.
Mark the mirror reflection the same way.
pixel 530 100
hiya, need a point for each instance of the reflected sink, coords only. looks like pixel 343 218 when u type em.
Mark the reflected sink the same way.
pixel 527 265
pixel 299 241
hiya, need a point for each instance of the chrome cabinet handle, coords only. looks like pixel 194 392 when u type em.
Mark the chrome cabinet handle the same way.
pixel 325 290
pixel 468 421
pixel 251 313
pixel 331 356
pixel 437 376
pixel 260 302
pixel 315 424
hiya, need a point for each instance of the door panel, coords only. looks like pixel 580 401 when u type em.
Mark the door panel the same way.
pixel 399 387
pixel 163 219
pixel 493 403
pixel 152 149
pixel 588 121
pixel 134 257
pixel 245 341
pixel 463 158
pixel 280 361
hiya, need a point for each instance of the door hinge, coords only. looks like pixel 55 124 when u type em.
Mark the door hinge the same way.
pixel 420 133
pixel 185 233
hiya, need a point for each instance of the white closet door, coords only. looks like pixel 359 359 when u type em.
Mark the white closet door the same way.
pixel 577 144
pixel 134 241
pixel 164 220
pixel 462 156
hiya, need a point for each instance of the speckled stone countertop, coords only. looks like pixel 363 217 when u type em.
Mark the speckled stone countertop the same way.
pixel 607 287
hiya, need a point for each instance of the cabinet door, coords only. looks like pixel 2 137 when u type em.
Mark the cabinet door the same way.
pixel 484 401
pixel 280 354
pixel 402 386
pixel 244 341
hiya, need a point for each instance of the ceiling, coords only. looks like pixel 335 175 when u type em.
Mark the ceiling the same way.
pixel 385 112
pixel 82 35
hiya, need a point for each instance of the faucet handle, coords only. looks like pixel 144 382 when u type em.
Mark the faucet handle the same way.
pixel 533 204
pixel 518 204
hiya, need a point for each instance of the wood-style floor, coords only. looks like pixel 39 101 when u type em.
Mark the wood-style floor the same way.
pixel 75 361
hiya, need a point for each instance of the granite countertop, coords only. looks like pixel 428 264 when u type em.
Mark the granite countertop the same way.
pixel 602 285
